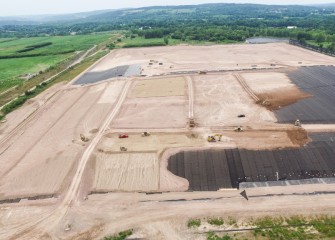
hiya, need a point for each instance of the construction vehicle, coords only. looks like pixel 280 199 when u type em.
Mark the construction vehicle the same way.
pixel 123 136
pixel 145 134
pixel 214 138
pixel 123 149
pixel 67 227
pixel 297 123
pixel 239 129
pixel 211 139
pixel 202 72
pixel 83 138
pixel 191 123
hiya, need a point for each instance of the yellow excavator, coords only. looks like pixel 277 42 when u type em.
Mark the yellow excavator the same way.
pixel 214 138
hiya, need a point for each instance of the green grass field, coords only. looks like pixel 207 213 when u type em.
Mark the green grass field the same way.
pixel 59 44
pixel 33 61
pixel 143 42
pixel 10 69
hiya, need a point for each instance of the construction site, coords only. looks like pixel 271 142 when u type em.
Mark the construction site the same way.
pixel 147 138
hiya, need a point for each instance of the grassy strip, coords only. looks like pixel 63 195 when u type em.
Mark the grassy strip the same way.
pixel 271 228
pixel 65 76
pixel 32 47
pixel 193 223
pixel 120 236
pixel 31 83
pixel 134 45
pixel 35 54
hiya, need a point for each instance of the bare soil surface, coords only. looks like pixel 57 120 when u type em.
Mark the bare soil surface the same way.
pixel 126 172
pixel 41 151
pixel 41 155
pixel 220 99
pixel 159 87
pixel 275 90
pixel 217 57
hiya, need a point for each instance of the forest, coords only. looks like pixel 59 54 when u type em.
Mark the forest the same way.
pixel 219 23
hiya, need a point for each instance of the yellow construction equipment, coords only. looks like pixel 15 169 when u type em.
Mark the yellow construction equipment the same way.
pixel 214 138
pixel 83 138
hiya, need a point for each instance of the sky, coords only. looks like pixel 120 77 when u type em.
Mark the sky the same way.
pixel 36 7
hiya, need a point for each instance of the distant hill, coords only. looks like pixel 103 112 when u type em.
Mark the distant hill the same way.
pixel 325 5
pixel 218 14
pixel 38 19
pixel 216 10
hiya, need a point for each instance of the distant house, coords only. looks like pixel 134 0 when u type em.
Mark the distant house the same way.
pixel 292 27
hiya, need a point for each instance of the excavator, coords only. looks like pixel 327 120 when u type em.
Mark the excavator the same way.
pixel 214 138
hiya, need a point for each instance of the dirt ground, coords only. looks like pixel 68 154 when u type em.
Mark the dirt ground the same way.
pixel 153 113
pixel 220 99
pixel 41 151
pixel 275 90
pixel 37 159
pixel 159 87
pixel 216 57
pixel 126 172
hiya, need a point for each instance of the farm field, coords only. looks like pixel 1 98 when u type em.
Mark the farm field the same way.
pixel 18 57
pixel 148 150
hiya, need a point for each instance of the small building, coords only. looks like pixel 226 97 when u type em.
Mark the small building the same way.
pixel 292 27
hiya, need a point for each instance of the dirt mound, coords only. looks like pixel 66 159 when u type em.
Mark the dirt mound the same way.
pixel 275 100
pixel 298 136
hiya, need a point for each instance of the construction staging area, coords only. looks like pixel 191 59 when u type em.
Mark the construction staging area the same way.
pixel 149 137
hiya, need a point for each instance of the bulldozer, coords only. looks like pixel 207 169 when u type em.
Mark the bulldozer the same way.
pixel 145 134
pixel 214 138
pixel 83 138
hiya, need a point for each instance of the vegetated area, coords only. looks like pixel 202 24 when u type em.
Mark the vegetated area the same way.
pixel 267 228
pixel 216 23
pixel 23 58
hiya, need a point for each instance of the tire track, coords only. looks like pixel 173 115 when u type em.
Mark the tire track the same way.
pixel 190 97
pixel 39 139
pixel 74 187
pixel 246 87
